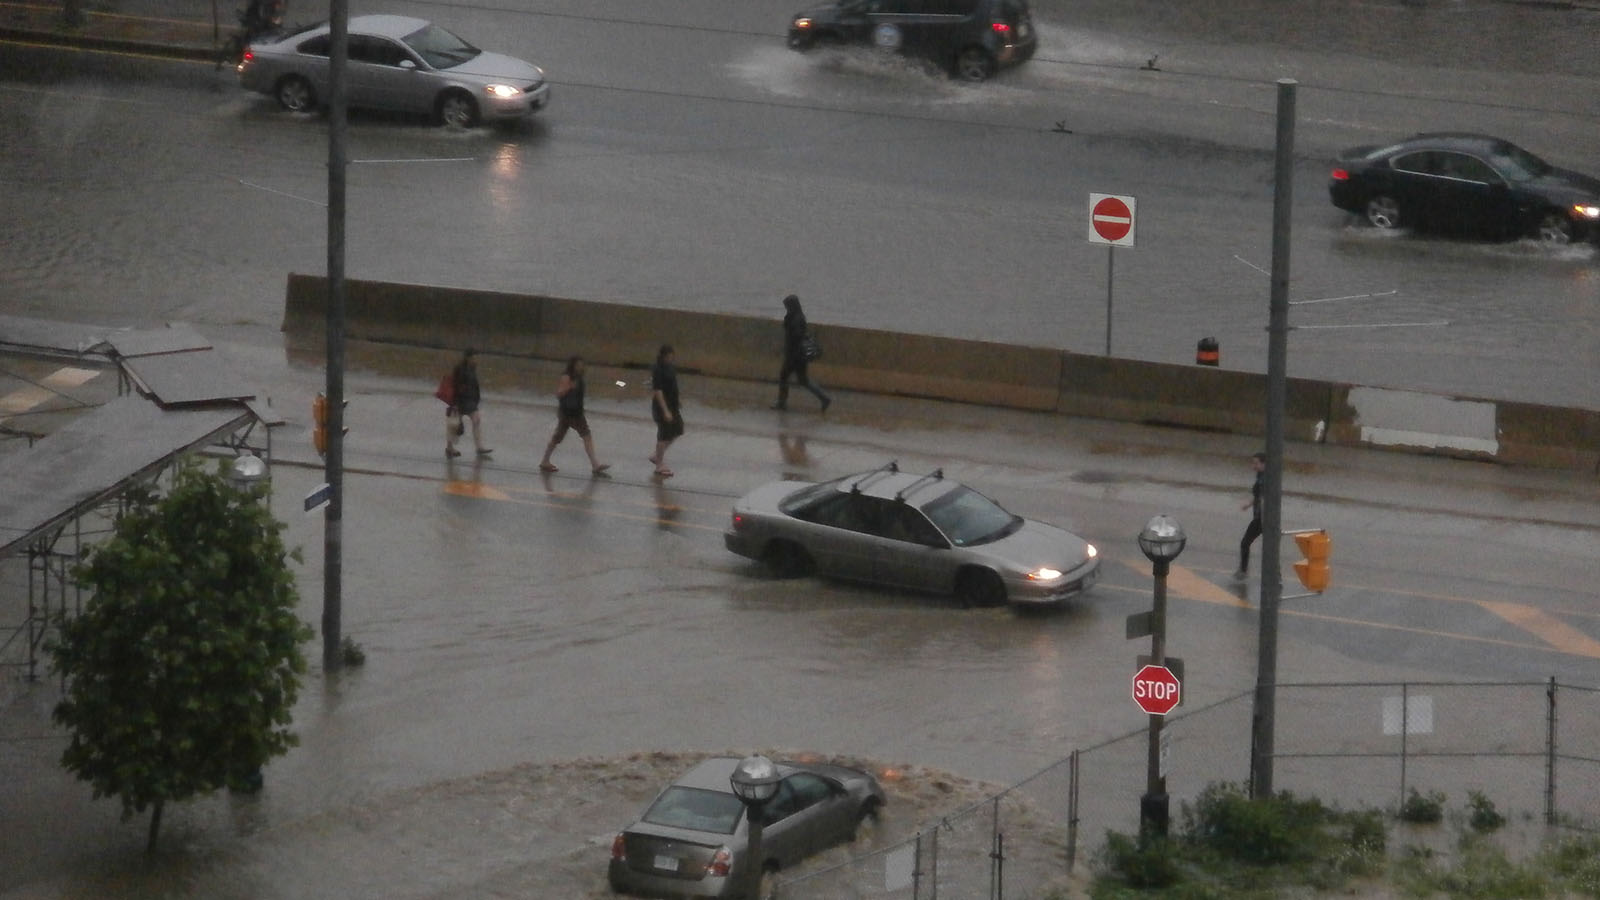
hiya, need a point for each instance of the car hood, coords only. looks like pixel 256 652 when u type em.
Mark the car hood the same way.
pixel 1036 544
pixel 498 65
pixel 766 498
pixel 1567 185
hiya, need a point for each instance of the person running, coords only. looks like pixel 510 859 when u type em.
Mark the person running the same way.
pixel 1258 462
pixel 794 356
pixel 467 397
pixel 569 414
pixel 664 407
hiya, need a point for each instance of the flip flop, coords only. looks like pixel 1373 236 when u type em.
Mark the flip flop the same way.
pixel 600 470
pixel 547 467
pixel 663 473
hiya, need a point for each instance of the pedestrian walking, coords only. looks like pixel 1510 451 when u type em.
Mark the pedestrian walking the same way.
pixel 794 356
pixel 569 415
pixel 465 407
pixel 1258 462
pixel 664 407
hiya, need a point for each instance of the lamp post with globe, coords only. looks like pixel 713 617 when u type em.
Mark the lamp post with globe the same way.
pixel 1161 540
pixel 754 781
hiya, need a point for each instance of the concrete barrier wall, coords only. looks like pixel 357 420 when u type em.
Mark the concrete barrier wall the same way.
pixel 1034 378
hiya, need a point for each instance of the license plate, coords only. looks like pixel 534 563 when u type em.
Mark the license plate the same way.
pixel 667 863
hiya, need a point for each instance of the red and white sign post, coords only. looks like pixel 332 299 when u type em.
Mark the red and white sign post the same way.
pixel 1156 690
pixel 1110 223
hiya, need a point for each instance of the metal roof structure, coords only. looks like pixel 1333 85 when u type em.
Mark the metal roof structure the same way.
pixel 176 397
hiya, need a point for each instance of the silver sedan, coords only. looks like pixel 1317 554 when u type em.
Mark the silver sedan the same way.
pixel 398 63
pixel 922 533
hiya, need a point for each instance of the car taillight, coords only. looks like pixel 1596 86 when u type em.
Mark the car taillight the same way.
pixel 999 26
pixel 619 849
pixel 721 863
pixel 1341 175
pixel 738 521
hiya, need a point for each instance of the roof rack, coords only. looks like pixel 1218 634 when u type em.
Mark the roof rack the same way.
pixel 935 475
pixel 888 468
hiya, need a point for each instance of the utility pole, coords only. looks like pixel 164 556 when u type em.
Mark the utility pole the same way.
pixel 1262 720
pixel 332 537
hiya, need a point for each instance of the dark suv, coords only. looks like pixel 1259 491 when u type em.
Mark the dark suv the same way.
pixel 971 39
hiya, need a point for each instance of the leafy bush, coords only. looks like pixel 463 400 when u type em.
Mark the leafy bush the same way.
pixel 1423 810
pixel 1277 830
pixel 1483 816
pixel 1139 864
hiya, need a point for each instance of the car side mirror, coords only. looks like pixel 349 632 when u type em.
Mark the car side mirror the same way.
pixel 407 64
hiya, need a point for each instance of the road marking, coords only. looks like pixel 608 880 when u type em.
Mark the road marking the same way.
pixel 474 489
pixel 1543 626
pixel 667 514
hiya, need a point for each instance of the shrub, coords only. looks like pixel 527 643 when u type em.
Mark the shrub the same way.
pixel 1139 864
pixel 1483 816
pixel 1276 830
pixel 1423 810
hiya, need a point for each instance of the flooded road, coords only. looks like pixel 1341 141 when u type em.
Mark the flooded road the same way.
pixel 516 626
pixel 512 618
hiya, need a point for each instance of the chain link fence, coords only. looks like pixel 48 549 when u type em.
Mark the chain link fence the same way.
pixel 1531 748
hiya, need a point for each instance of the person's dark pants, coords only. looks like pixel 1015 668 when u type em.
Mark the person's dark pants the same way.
pixel 797 368
pixel 1251 532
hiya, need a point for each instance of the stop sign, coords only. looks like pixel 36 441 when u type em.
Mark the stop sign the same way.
pixel 1156 690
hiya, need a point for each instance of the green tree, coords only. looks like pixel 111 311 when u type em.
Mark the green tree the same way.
pixel 184 665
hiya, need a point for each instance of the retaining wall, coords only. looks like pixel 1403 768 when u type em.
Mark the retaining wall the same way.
pixel 1035 378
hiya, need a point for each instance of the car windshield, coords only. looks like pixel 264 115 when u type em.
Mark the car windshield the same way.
pixel 806 496
pixel 1517 164
pixel 697 809
pixel 967 518
pixel 439 48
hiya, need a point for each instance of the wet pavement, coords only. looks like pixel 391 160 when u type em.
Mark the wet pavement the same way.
pixel 513 619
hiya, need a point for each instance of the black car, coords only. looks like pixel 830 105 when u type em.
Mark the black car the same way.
pixel 1466 183
pixel 971 39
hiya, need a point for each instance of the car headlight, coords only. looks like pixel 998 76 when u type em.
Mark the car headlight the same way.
pixel 802 23
pixel 1044 573
pixel 1587 210
pixel 1090 551
pixel 503 91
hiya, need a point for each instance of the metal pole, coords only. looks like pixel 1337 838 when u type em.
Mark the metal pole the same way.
pixel 753 875
pixel 332 538
pixel 1072 812
pixel 1153 807
pixel 1261 744
pixel 1550 754
pixel 1111 260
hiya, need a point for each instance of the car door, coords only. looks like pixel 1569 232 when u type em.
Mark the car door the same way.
pixel 837 538
pixel 1414 185
pixel 1472 195
pixel 807 815
pixel 909 551
pixel 387 75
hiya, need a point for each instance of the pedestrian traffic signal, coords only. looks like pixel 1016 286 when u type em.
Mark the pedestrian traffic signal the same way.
pixel 319 423
pixel 1313 570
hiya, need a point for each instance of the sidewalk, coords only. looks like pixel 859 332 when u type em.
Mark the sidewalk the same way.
pixel 178 29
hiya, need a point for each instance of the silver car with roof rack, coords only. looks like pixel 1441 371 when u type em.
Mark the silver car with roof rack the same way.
pixel 921 533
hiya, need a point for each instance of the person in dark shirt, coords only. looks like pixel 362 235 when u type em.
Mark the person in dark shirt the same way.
pixel 569 414
pixel 664 407
pixel 467 396
pixel 794 356
pixel 1253 530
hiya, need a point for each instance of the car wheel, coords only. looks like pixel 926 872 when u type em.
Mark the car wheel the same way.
pixel 1555 228
pixel 457 110
pixel 801 42
pixel 786 559
pixel 974 64
pixel 1383 211
pixel 980 587
pixel 296 94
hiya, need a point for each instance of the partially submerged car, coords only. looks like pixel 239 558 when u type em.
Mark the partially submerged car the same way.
pixel 923 533
pixel 691 840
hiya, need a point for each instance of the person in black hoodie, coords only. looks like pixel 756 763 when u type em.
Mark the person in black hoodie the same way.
pixel 467 396
pixel 794 356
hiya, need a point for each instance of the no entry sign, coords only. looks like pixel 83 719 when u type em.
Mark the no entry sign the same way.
pixel 1156 690
pixel 1111 220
